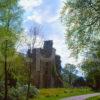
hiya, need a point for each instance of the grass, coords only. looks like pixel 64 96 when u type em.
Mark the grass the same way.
pixel 58 93
pixel 94 98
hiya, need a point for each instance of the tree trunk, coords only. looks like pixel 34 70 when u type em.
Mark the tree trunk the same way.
pixel 5 68
pixel 29 81
pixel 70 79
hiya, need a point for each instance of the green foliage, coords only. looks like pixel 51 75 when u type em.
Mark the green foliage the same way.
pixel 10 26
pixel 82 21
pixel 19 92
pixel 91 66
pixel 19 69
pixel 69 73
pixel 33 92
pixel 79 82
pixel 10 16
pixel 14 94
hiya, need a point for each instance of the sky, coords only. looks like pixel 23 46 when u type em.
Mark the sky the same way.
pixel 46 14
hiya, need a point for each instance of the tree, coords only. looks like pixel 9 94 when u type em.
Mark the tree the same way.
pixel 79 82
pixel 92 73
pixel 91 66
pixel 10 26
pixel 82 21
pixel 35 33
pixel 69 73
pixel 18 68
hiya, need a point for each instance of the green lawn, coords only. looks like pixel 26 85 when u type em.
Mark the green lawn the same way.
pixel 94 98
pixel 58 93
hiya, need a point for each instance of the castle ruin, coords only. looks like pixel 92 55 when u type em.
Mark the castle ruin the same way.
pixel 46 66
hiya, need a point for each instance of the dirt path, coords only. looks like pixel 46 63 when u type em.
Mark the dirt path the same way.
pixel 81 97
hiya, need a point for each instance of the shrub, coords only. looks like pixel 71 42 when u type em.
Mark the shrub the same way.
pixel 18 93
pixel 33 90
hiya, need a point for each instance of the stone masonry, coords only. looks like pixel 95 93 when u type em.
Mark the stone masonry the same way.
pixel 46 66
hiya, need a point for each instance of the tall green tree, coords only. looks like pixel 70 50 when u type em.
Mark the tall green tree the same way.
pixel 69 73
pixel 91 66
pixel 10 21
pixel 82 21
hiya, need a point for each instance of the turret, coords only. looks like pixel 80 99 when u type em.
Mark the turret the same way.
pixel 47 48
pixel 48 44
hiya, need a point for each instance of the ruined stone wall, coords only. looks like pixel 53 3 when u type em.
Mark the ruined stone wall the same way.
pixel 44 62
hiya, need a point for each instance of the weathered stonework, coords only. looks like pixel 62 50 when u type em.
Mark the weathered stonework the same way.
pixel 46 66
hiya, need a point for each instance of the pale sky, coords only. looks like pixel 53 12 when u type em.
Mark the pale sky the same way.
pixel 46 14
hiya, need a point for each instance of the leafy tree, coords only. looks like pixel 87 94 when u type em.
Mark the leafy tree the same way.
pixel 92 73
pixel 18 68
pixel 79 82
pixel 91 66
pixel 10 21
pixel 82 21
pixel 69 73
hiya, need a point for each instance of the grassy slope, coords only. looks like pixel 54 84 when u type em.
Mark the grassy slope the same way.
pixel 56 94
pixel 94 98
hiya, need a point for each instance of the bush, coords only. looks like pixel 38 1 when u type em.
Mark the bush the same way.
pixel 33 90
pixel 14 94
pixel 1 96
pixel 1 85
pixel 18 93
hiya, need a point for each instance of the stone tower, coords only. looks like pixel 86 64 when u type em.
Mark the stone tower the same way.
pixel 46 66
